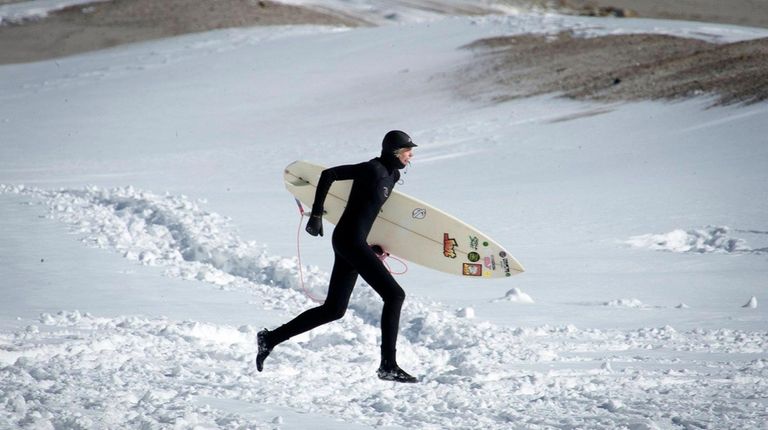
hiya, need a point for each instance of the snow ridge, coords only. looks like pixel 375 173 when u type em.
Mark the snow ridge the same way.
pixel 35 9
pixel 170 231
pixel 707 240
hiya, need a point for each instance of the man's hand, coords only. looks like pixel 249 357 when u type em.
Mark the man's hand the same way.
pixel 315 225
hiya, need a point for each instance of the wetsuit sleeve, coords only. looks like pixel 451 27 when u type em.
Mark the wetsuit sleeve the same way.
pixel 328 176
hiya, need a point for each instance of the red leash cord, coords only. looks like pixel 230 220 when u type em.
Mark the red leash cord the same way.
pixel 298 254
pixel 383 257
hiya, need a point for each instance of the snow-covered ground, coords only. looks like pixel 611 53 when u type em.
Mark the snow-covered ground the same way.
pixel 35 9
pixel 145 237
pixel 384 12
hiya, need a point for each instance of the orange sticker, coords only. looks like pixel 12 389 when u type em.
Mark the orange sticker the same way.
pixel 472 269
pixel 449 246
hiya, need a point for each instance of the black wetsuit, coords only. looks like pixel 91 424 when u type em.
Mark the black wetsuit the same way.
pixel 373 183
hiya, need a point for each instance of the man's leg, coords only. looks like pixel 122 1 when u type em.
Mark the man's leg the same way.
pixel 378 277
pixel 343 278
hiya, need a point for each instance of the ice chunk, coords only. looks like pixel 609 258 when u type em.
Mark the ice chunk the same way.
pixel 751 304
pixel 515 295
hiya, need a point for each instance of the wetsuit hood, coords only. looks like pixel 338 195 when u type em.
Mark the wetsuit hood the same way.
pixel 393 141
pixel 390 161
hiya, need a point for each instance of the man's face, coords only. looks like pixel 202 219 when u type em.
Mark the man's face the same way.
pixel 405 155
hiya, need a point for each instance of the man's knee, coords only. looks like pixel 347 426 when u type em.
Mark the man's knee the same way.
pixel 396 296
pixel 333 313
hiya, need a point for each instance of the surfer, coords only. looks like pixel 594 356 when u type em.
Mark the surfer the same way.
pixel 373 182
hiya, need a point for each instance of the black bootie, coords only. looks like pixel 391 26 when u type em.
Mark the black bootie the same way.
pixel 264 349
pixel 390 371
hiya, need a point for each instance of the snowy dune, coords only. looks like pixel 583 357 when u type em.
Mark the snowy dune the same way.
pixel 147 238
pixel 706 240
pixel 37 9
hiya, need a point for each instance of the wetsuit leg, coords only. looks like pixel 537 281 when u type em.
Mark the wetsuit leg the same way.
pixel 343 278
pixel 373 271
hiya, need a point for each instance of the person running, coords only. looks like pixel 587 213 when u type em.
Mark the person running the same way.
pixel 373 182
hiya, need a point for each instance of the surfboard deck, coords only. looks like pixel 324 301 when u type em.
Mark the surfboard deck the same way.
pixel 412 229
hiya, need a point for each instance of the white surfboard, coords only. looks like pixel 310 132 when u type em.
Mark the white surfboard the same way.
pixel 411 229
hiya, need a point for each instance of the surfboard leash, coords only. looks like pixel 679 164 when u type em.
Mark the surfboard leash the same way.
pixel 405 266
pixel 298 254
pixel 383 255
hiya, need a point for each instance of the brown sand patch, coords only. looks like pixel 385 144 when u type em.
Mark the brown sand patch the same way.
pixel 752 13
pixel 617 67
pixel 103 25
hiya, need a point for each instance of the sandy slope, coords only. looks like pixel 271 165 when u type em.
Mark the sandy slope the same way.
pixel 753 13
pixel 103 25
pixel 618 67
pixel 626 67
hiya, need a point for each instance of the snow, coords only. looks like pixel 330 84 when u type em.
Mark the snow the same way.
pixel 711 239
pixel 406 11
pixel 147 238
pixel 626 303
pixel 36 9
pixel 516 295
pixel 752 303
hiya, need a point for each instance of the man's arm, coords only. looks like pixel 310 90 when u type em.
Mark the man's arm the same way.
pixel 327 177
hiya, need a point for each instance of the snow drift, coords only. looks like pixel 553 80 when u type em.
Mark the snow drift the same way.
pixel 707 240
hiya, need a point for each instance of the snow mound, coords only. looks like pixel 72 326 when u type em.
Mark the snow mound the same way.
pixel 626 303
pixel 515 295
pixel 708 240
pixel 169 231
pixel 17 12
pixel 612 405
pixel 751 304
pixel 467 312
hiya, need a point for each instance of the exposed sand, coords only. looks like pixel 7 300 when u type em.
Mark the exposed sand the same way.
pixel 104 25
pixel 617 67
pixel 750 13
